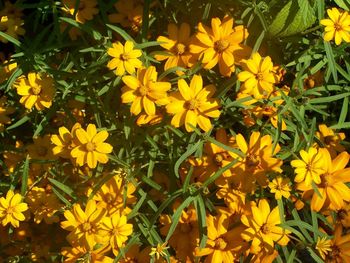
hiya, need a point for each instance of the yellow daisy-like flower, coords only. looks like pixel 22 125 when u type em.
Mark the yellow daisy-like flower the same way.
pixel 332 140
pixel 262 228
pixel 125 58
pixel 221 44
pixel 323 246
pixel 177 45
pixel 117 230
pixel 258 76
pixel 337 26
pixel 86 9
pixel 91 147
pixel 144 91
pixel 280 187
pixel 64 141
pixel 193 105
pixel 36 90
pixel 159 250
pixel 11 209
pixel 310 167
pixel 12 26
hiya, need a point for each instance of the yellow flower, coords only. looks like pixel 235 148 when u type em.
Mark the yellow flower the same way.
pixel 262 228
pixel 43 204
pixel 159 250
pixel 12 26
pixel 36 90
pixel 4 111
pixel 221 44
pixel 332 188
pixel 116 230
pixel 7 69
pixel 145 119
pixel 81 253
pixel 83 225
pixel 280 187
pixel 323 246
pixel 331 139
pixel 144 91
pixel 258 76
pixel 64 142
pixel 91 147
pixel 11 209
pixel 337 26
pixel 193 105
pixel 339 249
pixel 86 9
pixel 125 58
pixel 310 167
pixel 177 46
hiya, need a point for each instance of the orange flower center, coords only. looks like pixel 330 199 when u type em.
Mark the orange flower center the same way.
pixel 90 146
pixel 259 76
pixel 109 198
pixel 265 229
pixel 10 210
pixel 220 244
pixel 334 254
pixel 143 91
pixel 124 57
pixel 87 227
pixel 221 45
pixel 338 27
pixel 342 214
pixel 36 90
pixel 180 48
pixel 251 161
pixel 192 104
pixel 41 150
pixel 330 139
pixel 218 158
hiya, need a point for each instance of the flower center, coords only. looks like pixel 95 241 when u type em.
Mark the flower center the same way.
pixel 342 214
pixel 86 227
pixel 218 158
pixel 265 229
pixel 192 104
pixel 221 45
pixel 259 76
pixel 251 161
pixel 124 57
pixel 143 91
pixel 338 27
pixel 185 228
pixel 180 49
pixel 334 253
pixel 10 210
pixel 109 199
pixel 90 146
pixel 36 90
pixel 220 244
pixel 41 150
pixel 330 139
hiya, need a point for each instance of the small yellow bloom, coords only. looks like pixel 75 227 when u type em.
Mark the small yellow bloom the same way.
pixel 331 139
pixel 337 26
pixel 125 58
pixel 64 142
pixel 12 26
pixel 144 91
pixel 11 209
pixel 193 105
pixel 36 90
pixel 159 250
pixel 91 147
pixel 280 187
pixel 323 246
pixel 310 167
pixel 258 76
pixel 86 9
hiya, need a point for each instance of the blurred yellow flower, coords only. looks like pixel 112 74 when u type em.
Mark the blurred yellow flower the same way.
pixel 64 142
pixel 144 91
pixel 331 139
pixel 159 250
pixel 280 187
pixel 193 105
pixel 91 147
pixel 11 209
pixel 36 90
pixel 125 58
pixel 86 9
pixel 337 26
pixel 12 26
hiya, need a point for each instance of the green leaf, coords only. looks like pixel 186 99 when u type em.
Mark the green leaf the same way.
pixel 18 123
pixel 121 32
pixel 345 4
pixel 295 17
pixel 183 157
pixel 25 174
pixel 64 188
pixel 201 217
pixel 10 39
pixel 315 256
pixel 331 60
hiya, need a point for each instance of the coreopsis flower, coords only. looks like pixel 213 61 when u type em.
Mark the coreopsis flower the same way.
pixel 323 246
pixel 310 167
pixel 339 248
pixel 83 225
pixel 258 161
pixel 36 90
pixel 331 139
pixel 111 195
pixel 193 105
pixel 81 253
pixel 12 26
pixel 11 209
pixel 343 215
pixel 221 44
pixel 65 141
pixel 40 149
pixel 144 91
pixel 262 228
pixel 130 13
pixel 43 204
pixel 234 199
pixel 332 188
pixel 222 242
pixel 280 187
pixel 125 58
pixel 116 230
pixel 4 111
pixel 337 26
pixel 91 148
pixel 159 250
pixel 6 70
pixel 177 46
pixel 86 9
pixel 258 76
